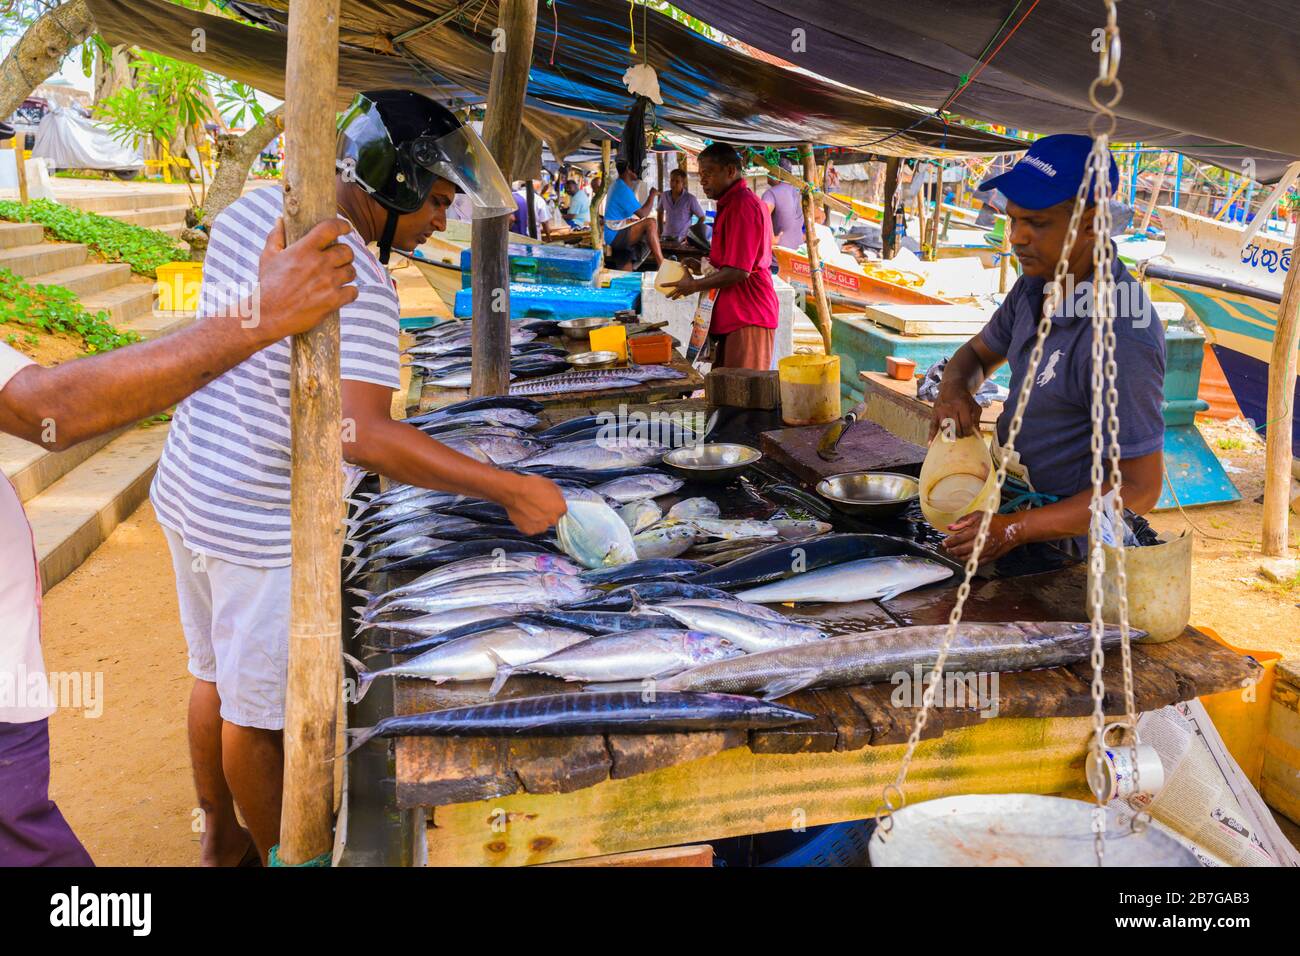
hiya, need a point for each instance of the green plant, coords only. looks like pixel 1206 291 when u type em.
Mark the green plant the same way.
pixel 144 250
pixel 51 308
pixel 1230 444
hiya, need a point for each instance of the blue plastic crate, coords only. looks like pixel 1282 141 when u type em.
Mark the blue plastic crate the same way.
pixel 545 264
pixel 559 301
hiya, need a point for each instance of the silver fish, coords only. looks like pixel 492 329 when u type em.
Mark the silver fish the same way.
pixel 689 508
pixel 431 625
pixel 403 548
pixel 879 655
pixel 792 529
pixel 514 417
pixel 594 535
pixel 632 655
pixel 597 455
pixel 636 487
pixel 730 528
pixel 664 541
pixel 476 657
pixel 496 450
pixel 542 386
pixel 470 568
pixel 461 379
pixel 521 587
pixel 749 633
pixel 865 579
pixel 639 515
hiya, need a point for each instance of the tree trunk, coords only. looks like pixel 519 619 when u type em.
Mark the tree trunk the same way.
pixel 38 53
pixel 112 73
pixel 235 157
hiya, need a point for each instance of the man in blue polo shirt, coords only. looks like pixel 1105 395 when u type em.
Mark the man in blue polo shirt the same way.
pixel 1053 453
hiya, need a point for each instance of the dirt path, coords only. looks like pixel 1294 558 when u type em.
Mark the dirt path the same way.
pixel 123 779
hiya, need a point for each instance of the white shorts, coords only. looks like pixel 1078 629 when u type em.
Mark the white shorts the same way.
pixel 236 623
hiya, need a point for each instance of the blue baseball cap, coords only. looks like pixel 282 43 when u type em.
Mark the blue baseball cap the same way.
pixel 1049 172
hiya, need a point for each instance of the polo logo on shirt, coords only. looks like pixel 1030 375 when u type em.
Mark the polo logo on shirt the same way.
pixel 1038 164
pixel 1049 373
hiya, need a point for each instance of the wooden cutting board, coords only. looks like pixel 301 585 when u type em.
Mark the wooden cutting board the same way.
pixel 866 447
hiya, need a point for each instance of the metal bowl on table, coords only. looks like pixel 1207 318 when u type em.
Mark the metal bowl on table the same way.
pixel 870 494
pixel 581 328
pixel 602 359
pixel 716 462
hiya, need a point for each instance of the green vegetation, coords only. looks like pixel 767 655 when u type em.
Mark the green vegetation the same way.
pixel 1230 444
pixel 144 250
pixel 51 308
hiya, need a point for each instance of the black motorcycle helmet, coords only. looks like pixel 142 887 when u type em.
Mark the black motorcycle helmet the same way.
pixel 395 143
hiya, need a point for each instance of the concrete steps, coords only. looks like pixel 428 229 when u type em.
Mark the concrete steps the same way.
pixel 124 302
pixel 87 278
pixel 75 513
pixel 161 209
pixel 20 234
pixel 33 259
pixel 153 217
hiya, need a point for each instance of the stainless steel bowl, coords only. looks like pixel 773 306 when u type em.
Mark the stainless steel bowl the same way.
pixel 713 463
pixel 872 494
pixel 580 328
pixel 592 359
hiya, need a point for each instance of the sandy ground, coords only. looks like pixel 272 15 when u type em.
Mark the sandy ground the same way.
pixel 123 779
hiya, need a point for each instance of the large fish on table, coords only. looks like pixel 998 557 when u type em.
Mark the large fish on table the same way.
pixel 560 715
pixel 638 487
pixel 646 569
pixel 866 579
pixel 468 549
pixel 468 568
pixel 635 655
pixel 789 559
pixel 520 587
pixel 747 632
pixel 594 535
pixel 438 628
pixel 596 455
pixel 879 655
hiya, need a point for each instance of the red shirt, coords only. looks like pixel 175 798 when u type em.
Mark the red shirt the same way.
pixel 742 239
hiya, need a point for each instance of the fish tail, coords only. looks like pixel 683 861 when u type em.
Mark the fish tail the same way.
pixel 357 737
pixel 364 675
pixel 362 593
pixel 504 673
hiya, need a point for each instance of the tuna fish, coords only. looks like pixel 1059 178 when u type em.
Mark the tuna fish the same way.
pixel 863 580
pixel 635 655
pixel 594 535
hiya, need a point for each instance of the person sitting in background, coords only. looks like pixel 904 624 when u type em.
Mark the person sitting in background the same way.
pixel 628 222
pixel 579 213
pixel 682 210
pixel 541 212
pixel 785 205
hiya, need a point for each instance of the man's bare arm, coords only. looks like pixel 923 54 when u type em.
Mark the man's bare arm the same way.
pixel 298 286
pixel 962 377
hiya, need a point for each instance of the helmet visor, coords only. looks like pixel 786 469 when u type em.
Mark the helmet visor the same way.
pixel 462 158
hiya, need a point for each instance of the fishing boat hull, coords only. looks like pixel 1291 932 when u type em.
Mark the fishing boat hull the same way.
pixel 851 288
pixel 1234 293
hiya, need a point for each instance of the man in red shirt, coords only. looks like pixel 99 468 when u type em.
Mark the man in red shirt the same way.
pixel 745 310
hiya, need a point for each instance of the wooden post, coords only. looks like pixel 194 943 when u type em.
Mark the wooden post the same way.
pixel 20 165
pixel 598 220
pixel 660 203
pixel 814 255
pixel 889 222
pixel 490 281
pixel 1004 260
pixel 1281 400
pixel 1155 197
pixel 316 483
pixel 530 196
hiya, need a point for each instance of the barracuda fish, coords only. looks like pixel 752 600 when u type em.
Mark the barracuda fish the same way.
pixel 864 580
pixel 404 548
pixel 639 515
pixel 552 386
pixel 643 569
pixel 639 655
pixel 559 715
pixel 520 587
pixel 468 549
pixel 751 634
pixel 785 559
pixel 594 535
pixel 664 541
pixel 635 373
pixel 594 455
pixel 470 568
pixel 878 655
pixel 444 622
pixel 482 431
pixel 477 657
pixel 690 508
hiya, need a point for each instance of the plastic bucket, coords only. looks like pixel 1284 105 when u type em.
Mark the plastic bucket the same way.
pixel 957 478
pixel 1159 580
pixel 177 286
pixel 810 389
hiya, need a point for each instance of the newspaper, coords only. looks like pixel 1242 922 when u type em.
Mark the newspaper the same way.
pixel 1207 803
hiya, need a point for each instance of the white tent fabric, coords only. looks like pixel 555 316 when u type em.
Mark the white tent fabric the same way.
pixel 67 140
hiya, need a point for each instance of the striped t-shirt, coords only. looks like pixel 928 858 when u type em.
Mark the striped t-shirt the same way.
pixel 223 481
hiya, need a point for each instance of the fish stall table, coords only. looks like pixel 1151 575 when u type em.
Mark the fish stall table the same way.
pixel 516 801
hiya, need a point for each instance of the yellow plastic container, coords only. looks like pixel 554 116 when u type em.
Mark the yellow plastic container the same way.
pixel 177 286
pixel 957 478
pixel 610 338
pixel 810 389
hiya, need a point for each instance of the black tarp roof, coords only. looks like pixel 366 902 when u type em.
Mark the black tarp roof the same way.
pixel 1199 76
pixel 582 50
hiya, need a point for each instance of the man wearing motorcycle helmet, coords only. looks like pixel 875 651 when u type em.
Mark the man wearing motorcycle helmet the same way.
pixel 221 491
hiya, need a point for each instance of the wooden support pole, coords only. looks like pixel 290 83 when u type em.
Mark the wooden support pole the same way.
pixel 1004 260
pixel 316 482
pixel 660 199
pixel 1155 198
pixel 20 165
pixel 490 281
pixel 889 225
pixel 1281 401
pixel 530 196
pixel 814 255
pixel 598 218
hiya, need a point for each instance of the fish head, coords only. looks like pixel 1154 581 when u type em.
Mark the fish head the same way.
pixel 701 648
